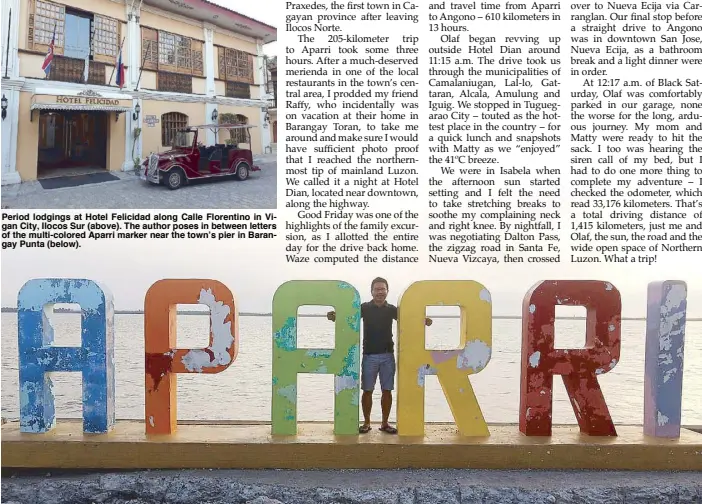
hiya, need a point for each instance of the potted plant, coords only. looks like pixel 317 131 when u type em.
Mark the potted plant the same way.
pixel 137 160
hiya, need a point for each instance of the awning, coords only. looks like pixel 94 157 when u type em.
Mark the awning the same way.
pixel 75 99
pixel 61 106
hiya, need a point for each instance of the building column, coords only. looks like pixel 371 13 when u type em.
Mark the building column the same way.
pixel 210 61
pixel 210 91
pixel 133 60
pixel 133 45
pixel 210 136
pixel 261 78
pixel 10 69
pixel 10 126
pixel 131 125
pixel 10 58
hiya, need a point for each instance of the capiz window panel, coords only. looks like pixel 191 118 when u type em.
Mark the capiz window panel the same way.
pixel 149 48
pixel 43 20
pixel 235 65
pixel 106 40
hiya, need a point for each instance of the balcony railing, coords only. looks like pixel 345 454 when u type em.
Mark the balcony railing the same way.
pixel 72 70
pixel 238 90
pixel 176 83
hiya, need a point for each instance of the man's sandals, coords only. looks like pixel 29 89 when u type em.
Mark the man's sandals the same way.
pixel 364 429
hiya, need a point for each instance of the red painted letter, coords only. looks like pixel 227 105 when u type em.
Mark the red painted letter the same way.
pixel 579 367
pixel 163 360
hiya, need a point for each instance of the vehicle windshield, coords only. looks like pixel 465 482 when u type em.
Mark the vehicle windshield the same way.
pixel 182 139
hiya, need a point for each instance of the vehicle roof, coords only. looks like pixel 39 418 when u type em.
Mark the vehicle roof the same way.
pixel 220 126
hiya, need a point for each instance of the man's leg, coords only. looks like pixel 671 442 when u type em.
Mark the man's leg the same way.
pixel 387 385
pixel 369 375
pixel 367 405
pixel 386 405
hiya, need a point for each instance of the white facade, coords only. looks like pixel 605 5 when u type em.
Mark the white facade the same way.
pixel 10 89
pixel 14 83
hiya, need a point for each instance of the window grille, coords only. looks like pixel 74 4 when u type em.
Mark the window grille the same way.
pixel 171 123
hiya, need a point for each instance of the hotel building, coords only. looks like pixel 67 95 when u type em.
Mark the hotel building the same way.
pixel 185 62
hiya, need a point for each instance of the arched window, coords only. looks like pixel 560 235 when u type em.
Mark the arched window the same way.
pixel 239 135
pixel 170 124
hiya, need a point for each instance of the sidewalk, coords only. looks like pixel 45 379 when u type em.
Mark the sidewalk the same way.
pixel 355 487
pixel 258 192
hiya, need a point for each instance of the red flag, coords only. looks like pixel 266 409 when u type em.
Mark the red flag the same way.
pixel 46 67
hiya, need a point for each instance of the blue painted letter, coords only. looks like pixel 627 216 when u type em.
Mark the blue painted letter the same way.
pixel 38 357
pixel 665 337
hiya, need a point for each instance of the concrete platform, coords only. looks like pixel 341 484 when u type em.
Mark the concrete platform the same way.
pixel 463 486
pixel 251 446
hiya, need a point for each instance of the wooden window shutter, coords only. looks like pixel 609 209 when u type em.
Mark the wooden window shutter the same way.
pixel 106 39
pixel 149 48
pixel 30 26
pixel 198 67
pixel 167 52
pixel 43 17
pixel 222 60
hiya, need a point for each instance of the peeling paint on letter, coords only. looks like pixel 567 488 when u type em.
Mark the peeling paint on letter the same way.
pixel 665 335
pixel 422 372
pixel 216 354
pixel 475 356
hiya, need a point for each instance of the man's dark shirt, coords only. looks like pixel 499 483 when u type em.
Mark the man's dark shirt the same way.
pixel 377 327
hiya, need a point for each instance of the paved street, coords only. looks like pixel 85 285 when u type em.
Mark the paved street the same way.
pixel 258 192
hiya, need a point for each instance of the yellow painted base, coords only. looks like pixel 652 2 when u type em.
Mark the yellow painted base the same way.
pixel 251 446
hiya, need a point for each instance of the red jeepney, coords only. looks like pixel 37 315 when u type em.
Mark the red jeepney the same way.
pixel 196 161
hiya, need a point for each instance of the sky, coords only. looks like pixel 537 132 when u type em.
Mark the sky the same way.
pixel 253 270
pixel 269 12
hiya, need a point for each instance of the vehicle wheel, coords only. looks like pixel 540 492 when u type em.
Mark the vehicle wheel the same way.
pixel 242 171
pixel 174 179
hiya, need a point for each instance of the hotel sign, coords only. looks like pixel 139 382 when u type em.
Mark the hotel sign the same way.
pixel 84 100
pixel 541 361
pixel 49 98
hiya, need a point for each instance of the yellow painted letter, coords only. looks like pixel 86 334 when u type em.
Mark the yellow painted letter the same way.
pixel 452 367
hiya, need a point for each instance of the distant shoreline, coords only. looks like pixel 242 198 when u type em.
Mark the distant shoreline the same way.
pixel 246 314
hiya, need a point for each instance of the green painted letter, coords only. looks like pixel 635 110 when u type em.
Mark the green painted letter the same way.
pixel 342 361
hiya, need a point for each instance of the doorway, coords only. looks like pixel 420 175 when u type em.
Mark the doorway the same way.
pixel 71 143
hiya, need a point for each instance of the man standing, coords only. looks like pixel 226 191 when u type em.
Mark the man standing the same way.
pixel 378 353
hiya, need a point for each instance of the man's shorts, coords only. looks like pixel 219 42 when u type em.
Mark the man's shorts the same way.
pixel 374 364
